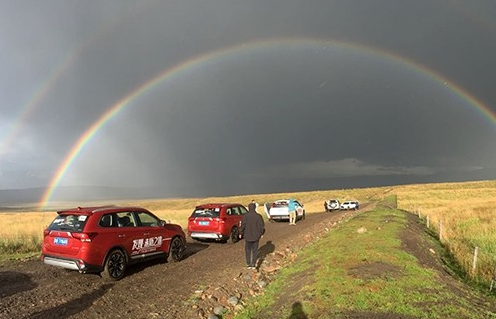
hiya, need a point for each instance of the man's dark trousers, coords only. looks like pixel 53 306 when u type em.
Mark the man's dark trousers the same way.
pixel 251 252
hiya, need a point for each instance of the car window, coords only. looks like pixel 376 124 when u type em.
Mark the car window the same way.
pixel 126 219
pixel 230 211
pixel 206 212
pixel 235 210
pixel 241 210
pixel 280 204
pixel 69 222
pixel 108 220
pixel 148 220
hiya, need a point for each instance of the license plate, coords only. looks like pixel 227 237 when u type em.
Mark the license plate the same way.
pixel 60 241
pixel 204 223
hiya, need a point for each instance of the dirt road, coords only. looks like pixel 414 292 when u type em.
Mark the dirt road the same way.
pixel 31 289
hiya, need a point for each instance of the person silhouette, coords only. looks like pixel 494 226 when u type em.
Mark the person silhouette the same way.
pixel 252 229
pixel 297 311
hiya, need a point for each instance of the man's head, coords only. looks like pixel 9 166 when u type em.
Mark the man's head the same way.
pixel 252 206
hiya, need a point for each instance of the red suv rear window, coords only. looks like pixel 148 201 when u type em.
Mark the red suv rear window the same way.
pixel 206 212
pixel 69 222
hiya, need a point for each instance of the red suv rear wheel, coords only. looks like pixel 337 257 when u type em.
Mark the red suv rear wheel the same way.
pixel 234 234
pixel 115 265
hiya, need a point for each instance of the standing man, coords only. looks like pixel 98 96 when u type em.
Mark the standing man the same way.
pixel 252 229
pixel 292 212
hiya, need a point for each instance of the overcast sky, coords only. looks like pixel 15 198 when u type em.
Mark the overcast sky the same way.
pixel 261 96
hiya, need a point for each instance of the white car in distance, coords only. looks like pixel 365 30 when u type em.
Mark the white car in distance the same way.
pixel 349 204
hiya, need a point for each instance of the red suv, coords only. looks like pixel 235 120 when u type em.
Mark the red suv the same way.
pixel 107 239
pixel 216 221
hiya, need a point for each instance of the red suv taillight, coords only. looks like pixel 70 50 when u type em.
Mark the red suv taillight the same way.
pixel 84 237
pixel 46 232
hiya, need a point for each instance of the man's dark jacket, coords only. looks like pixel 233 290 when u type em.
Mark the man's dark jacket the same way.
pixel 252 226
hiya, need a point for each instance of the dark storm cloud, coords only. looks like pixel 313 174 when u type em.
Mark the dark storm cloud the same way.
pixel 276 119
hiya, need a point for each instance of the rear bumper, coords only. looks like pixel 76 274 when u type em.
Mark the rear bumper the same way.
pixel 279 217
pixel 206 235
pixel 72 264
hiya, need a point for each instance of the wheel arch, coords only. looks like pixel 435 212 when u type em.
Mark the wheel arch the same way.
pixel 118 247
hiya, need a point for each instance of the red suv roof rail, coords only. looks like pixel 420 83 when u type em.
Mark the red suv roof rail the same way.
pixel 91 210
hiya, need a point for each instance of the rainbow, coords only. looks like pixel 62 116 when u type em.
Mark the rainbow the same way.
pixel 25 111
pixel 246 48
pixel 50 81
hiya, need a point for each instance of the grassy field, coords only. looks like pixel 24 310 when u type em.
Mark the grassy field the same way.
pixel 465 211
pixel 348 274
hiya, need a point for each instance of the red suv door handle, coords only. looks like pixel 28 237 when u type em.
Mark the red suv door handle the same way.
pixel 146 234
pixel 121 236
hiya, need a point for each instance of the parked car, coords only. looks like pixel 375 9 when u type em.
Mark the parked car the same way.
pixel 333 204
pixel 278 210
pixel 219 222
pixel 347 205
pixel 109 238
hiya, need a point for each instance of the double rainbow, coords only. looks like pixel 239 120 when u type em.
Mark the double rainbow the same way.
pixel 248 48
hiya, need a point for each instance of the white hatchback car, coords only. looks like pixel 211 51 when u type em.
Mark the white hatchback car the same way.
pixel 349 204
pixel 278 210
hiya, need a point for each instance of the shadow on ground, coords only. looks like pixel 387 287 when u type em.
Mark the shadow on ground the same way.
pixel 14 282
pixel 74 306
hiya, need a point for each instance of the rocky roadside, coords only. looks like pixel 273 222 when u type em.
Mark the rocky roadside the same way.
pixel 227 297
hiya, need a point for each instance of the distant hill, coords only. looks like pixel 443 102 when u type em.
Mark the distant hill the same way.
pixel 10 197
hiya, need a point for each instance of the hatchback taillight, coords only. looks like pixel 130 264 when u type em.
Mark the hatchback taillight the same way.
pixel 84 237
pixel 46 232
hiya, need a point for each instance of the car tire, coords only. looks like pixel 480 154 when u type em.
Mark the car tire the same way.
pixel 115 265
pixel 234 235
pixel 176 249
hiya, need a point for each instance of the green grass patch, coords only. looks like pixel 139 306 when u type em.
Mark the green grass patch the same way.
pixel 360 268
pixel 22 248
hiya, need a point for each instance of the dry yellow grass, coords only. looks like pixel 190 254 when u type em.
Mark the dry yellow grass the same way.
pixel 465 212
pixel 15 226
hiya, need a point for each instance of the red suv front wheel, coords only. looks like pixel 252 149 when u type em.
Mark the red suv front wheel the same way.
pixel 176 249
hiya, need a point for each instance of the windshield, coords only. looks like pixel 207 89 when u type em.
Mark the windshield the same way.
pixel 206 212
pixel 69 222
